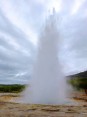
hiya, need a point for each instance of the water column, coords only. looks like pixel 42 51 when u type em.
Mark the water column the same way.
pixel 48 84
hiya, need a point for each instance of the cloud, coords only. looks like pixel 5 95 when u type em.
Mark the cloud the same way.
pixel 20 25
pixel 15 49
pixel 73 31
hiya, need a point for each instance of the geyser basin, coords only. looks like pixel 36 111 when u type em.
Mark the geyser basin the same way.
pixel 48 84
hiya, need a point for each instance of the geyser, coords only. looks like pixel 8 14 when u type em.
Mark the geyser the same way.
pixel 48 84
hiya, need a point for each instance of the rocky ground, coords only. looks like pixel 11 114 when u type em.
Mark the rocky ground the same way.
pixel 10 109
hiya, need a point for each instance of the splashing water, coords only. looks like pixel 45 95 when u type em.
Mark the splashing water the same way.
pixel 48 84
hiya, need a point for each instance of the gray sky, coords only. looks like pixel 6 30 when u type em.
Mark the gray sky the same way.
pixel 21 22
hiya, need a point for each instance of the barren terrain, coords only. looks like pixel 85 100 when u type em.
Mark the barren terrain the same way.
pixel 10 109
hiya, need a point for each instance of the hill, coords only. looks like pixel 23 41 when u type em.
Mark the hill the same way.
pixel 79 81
pixel 80 75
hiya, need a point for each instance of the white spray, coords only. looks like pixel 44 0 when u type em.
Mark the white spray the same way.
pixel 48 84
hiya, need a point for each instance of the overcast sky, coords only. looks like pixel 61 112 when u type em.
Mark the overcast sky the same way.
pixel 21 22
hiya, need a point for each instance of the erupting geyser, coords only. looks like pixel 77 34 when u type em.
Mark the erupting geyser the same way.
pixel 48 84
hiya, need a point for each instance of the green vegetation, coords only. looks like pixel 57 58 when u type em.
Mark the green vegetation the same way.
pixel 79 81
pixel 14 88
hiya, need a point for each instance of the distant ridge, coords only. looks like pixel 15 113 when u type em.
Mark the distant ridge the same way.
pixel 81 74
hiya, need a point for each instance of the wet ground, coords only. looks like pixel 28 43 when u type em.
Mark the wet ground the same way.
pixel 10 109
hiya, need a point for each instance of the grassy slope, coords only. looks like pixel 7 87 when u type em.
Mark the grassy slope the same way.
pixel 13 88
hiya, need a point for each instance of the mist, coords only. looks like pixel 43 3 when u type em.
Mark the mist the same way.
pixel 48 83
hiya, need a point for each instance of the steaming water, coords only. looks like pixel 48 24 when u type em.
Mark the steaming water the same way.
pixel 48 84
